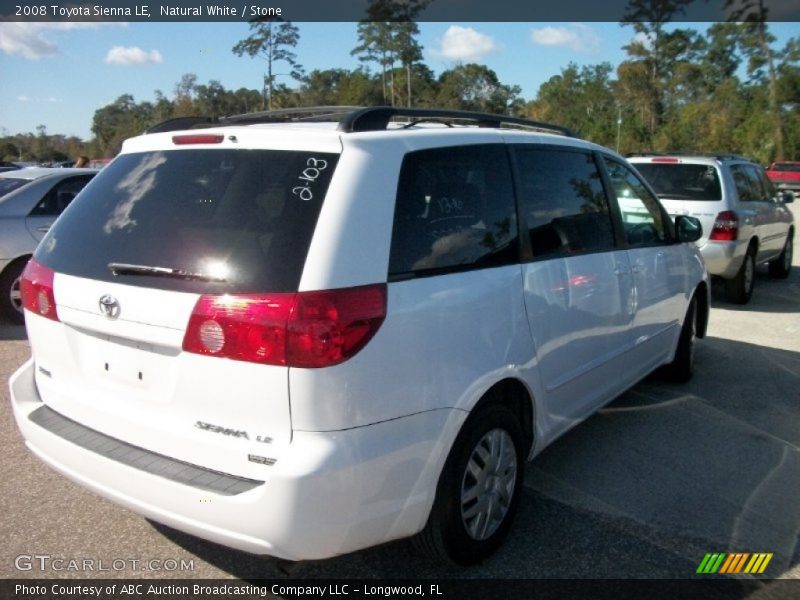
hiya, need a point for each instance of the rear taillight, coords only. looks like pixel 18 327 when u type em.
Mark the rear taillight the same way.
pixel 306 329
pixel 36 286
pixel 726 227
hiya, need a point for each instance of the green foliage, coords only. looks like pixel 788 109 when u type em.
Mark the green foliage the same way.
pixel 681 95
pixel 272 40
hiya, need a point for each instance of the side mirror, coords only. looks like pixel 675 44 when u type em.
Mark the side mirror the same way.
pixel 786 196
pixel 688 229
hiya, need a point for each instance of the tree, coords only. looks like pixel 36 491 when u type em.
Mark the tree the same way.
pixel 582 99
pixel 476 87
pixel 271 40
pixel 184 96
pixel 376 46
pixel 756 43
pixel 648 18
pixel 387 35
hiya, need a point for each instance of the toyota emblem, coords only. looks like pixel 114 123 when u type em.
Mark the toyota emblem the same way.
pixel 109 306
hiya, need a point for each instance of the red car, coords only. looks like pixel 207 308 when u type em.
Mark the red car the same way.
pixel 785 175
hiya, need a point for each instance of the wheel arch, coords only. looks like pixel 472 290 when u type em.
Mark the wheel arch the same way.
pixel 15 261
pixel 518 399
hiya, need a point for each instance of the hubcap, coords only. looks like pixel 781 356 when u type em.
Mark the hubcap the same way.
pixel 488 484
pixel 15 295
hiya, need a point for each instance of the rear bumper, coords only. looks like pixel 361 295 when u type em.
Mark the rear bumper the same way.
pixel 793 186
pixel 331 493
pixel 724 259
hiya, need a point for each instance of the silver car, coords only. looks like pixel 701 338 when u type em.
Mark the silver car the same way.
pixel 30 201
pixel 745 218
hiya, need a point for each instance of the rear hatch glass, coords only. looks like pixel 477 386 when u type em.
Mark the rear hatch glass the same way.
pixel 680 181
pixel 201 221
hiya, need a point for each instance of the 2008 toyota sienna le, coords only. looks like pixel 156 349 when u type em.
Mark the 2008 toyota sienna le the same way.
pixel 304 333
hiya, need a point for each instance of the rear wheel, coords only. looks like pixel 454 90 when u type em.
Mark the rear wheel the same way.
pixel 739 289
pixel 10 296
pixel 478 491
pixel 782 266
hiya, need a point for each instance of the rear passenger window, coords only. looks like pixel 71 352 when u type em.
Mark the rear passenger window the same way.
pixel 454 211
pixel 563 202
pixel 58 198
pixel 748 185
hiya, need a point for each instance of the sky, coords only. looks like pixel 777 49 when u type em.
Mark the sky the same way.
pixel 59 74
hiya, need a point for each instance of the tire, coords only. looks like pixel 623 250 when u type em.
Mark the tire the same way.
pixel 680 370
pixel 10 298
pixel 476 499
pixel 782 266
pixel 739 289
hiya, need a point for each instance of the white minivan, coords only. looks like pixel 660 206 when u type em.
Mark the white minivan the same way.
pixel 302 333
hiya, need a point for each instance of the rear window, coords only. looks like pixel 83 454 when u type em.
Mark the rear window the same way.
pixel 8 185
pixel 682 181
pixel 228 220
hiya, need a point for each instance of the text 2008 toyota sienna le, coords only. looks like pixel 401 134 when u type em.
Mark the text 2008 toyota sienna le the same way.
pixel 302 339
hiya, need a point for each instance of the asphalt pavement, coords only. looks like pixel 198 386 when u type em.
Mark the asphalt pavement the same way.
pixel 644 489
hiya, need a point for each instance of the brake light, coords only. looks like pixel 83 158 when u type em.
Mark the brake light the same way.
pixel 199 138
pixel 665 159
pixel 306 329
pixel 726 227
pixel 36 286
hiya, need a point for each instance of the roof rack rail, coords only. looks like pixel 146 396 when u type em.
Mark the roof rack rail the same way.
pixel 283 115
pixel 180 123
pixel 377 118
pixel 716 155
pixel 358 118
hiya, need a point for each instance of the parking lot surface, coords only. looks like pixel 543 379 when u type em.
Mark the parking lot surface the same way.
pixel 645 488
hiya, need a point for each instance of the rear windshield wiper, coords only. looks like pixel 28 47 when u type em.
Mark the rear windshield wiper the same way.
pixel 126 269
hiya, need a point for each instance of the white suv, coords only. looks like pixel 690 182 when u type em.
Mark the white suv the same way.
pixel 304 338
pixel 745 218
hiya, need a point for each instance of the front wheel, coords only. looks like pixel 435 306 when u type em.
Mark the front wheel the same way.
pixel 478 490
pixel 782 266
pixel 680 370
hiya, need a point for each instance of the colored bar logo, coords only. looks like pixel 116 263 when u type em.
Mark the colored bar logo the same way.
pixel 735 562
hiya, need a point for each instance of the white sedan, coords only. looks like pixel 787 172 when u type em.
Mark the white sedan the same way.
pixel 30 201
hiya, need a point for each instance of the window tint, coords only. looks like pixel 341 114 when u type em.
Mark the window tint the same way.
pixel 454 210
pixel 682 181
pixel 8 185
pixel 245 216
pixel 562 201
pixel 748 184
pixel 60 196
pixel 642 215
pixel 790 167
pixel 758 182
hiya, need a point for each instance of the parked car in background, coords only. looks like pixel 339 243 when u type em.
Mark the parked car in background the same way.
pixel 320 337
pixel 8 166
pixel 785 175
pixel 98 163
pixel 745 218
pixel 30 201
